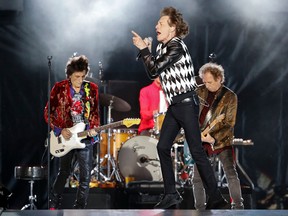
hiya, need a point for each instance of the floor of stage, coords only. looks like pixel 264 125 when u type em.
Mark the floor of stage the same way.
pixel 144 212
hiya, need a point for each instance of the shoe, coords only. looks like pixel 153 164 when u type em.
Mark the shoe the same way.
pixel 169 200
pixel 77 206
pixel 53 205
pixel 238 206
pixel 218 204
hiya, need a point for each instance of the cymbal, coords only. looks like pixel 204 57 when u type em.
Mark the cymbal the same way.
pixel 118 104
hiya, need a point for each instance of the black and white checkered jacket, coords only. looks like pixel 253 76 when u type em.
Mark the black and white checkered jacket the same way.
pixel 174 65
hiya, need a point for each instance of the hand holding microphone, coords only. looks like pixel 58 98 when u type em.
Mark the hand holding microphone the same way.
pixel 148 42
pixel 140 43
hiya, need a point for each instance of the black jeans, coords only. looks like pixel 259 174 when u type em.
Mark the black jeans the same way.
pixel 84 158
pixel 185 115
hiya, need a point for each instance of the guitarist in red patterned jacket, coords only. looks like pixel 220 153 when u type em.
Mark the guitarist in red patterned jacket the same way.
pixel 74 101
pixel 216 100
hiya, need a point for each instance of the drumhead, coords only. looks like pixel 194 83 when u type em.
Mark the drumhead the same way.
pixel 138 158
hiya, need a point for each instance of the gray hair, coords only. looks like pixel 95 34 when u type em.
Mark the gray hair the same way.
pixel 215 69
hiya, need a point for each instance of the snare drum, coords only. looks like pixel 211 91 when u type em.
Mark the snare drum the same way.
pixel 158 121
pixel 138 159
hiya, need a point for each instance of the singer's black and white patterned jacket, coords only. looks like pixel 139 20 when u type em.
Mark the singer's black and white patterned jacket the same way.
pixel 174 65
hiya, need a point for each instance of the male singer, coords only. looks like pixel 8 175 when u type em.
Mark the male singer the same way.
pixel 173 65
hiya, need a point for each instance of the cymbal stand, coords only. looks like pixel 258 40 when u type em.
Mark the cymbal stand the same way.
pixel 97 172
pixel 111 160
pixel 176 160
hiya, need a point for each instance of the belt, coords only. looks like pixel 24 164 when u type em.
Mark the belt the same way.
pixel 186 100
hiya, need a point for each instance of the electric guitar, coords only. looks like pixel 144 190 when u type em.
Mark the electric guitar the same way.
pixel 210 126
pixel 59 146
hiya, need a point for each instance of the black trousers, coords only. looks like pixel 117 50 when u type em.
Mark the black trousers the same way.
pixel 185 115
pixel 84 158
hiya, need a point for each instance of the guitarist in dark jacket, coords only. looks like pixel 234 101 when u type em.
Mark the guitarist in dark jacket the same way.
pixel 216 100
pixel 74 101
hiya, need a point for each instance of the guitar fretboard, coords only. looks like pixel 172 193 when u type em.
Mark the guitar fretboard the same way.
pixel 104 127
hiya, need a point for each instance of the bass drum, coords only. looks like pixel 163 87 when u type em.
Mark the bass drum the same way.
pixel 138 159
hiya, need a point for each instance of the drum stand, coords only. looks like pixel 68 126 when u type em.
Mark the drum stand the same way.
pixel 219 174
pixel 97 171
pixel 32 198
pixel 183 164
pixel 111 160
pixel 176 160
pixel 31 174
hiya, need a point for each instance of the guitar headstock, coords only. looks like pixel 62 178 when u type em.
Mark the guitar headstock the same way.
pixel 128 122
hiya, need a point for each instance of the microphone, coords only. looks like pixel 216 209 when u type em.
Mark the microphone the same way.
pixel 143 159
pixel 212 57
pixel 74 54
pixel 148 42
pixel 146 159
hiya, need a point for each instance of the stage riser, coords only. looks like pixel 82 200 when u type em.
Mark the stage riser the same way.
pixel 95 201
pixel 115 198
pixel 109 198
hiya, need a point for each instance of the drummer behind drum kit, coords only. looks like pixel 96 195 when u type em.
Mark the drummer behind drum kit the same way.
pixel 125 156
pixel 131 157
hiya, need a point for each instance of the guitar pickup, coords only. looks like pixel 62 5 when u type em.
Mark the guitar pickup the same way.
pixel 59 140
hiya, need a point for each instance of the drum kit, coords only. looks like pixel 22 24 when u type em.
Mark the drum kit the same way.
pixel 123 156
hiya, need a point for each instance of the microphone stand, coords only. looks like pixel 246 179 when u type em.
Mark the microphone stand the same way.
pixel 102 84
pixel 48 128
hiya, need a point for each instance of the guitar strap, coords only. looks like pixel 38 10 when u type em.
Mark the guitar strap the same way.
pixel 87 102
pixel 213 107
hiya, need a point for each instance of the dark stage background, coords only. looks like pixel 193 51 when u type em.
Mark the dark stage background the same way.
pixel 249 37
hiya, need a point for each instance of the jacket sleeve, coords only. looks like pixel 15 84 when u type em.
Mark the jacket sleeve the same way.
pixel 155 66
pixel 54 116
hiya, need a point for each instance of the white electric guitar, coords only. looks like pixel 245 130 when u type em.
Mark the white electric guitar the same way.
pixel 59 146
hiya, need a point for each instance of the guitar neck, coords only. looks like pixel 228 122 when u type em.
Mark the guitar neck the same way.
pixel 213 123
pixel 208 128
pixel 104 127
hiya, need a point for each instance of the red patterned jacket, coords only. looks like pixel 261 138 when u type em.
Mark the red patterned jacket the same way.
pixel 61 101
